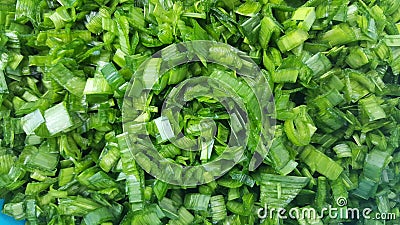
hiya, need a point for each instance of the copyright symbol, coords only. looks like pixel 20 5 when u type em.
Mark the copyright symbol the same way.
pixel 244 94
pixel 341 201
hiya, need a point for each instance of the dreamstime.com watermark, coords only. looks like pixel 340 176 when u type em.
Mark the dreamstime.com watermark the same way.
pixel 331 212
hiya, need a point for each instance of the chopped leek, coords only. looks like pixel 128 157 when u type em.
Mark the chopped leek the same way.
pixel 69 69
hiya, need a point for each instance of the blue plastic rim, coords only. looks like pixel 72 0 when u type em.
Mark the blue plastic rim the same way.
pixel 7 220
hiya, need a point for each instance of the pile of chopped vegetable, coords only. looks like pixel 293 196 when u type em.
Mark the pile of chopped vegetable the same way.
pixel 333 68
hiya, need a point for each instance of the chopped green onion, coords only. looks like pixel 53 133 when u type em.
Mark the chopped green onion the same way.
pixel 277 191
pixel 318 161
pixel 292 39
pixel 197 201
pixel 57 119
